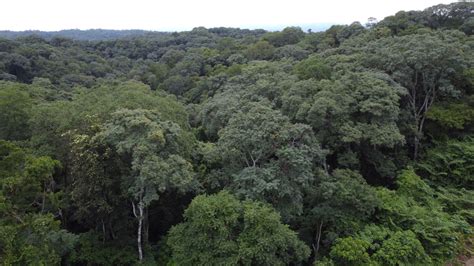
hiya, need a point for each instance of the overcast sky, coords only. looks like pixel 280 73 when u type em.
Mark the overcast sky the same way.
pixel 179 15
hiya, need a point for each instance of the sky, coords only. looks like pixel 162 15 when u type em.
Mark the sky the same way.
pixel 178 15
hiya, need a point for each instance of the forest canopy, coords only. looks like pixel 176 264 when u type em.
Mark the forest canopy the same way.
pixel 226 146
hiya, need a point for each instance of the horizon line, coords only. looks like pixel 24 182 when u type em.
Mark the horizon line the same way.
pixel 274 27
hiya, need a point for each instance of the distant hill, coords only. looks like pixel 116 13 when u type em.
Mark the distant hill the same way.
pixel 103 35
pixel 83 35
pixel 316 27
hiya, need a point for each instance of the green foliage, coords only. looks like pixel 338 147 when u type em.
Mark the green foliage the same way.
pixel 350 251
pixel 27 234
pixel 37 240
pixel 96 192
pixel 259 81
pixel 457 201
pixel 51 121
pixel 355 115
pixel 26 181
pixel 402 248
pixel 90 249
pixel 155 147
pixel 334 108
pixel 450 16
pixel 227 231
pixel 15 110
pixel 115 137
pixel 379 246
pixel 342 200
pixel 295 52
pixel 273 158
pixel 412 207
pixel 450 163
pixel 289 35
pixel 313 67
pixel 261 50
pixel 456 115
pixel 425 65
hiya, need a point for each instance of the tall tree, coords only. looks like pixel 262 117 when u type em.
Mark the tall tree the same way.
pixel 424 64
pixel 272 159
pixel 353 117
pixel 154 153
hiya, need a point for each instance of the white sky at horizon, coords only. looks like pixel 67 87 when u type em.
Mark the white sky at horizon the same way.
pixel 177 15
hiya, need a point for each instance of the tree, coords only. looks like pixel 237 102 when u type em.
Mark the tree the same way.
pixel 51 121
pixel 177 84
pixel 272 159
pixel 358 107
pixel 261 50
pixel 401 248
pixel 171 57
pixel 26 181
pixel 95 190
pixel 353 116
pixel 289 35
pixel 29 232
pixel 15 108
pixel 18 65
pixel 412 206
pixel 37 240
pixel 350 251
pixel 423 64
pixel 451 16
pixel 450 163
pixel 226 231
pixel 155 152
pixel 379 246
pixel 314 130
pixel 452 116
pixel 259 81
pixel 313 67
pixel 291 52
pixel 337 204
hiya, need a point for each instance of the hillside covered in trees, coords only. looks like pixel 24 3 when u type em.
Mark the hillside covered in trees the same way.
pixel 224 146
pixel 81 35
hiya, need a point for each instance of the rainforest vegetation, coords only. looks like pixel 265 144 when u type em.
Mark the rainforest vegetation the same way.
pixel 226 146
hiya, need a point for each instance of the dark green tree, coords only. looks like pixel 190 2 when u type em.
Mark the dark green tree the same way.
pixel 273 159
pixel 156 152
pixel 424 64
pixel 15 110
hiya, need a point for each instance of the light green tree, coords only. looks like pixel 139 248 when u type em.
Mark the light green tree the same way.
pixel 29 232
pixel 226 231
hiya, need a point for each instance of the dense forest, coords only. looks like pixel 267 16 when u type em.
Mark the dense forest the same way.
pixel 225 146
pixel 82 35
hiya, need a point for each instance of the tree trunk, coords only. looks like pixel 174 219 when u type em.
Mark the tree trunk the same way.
pixel 146 226
pixel 416 144
pixel 44 197
pixel 104 235
pixel 420 121
pixel 111 230
pixel 318 240
pixel 139 237
pixel 139 216
pixel 319 237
